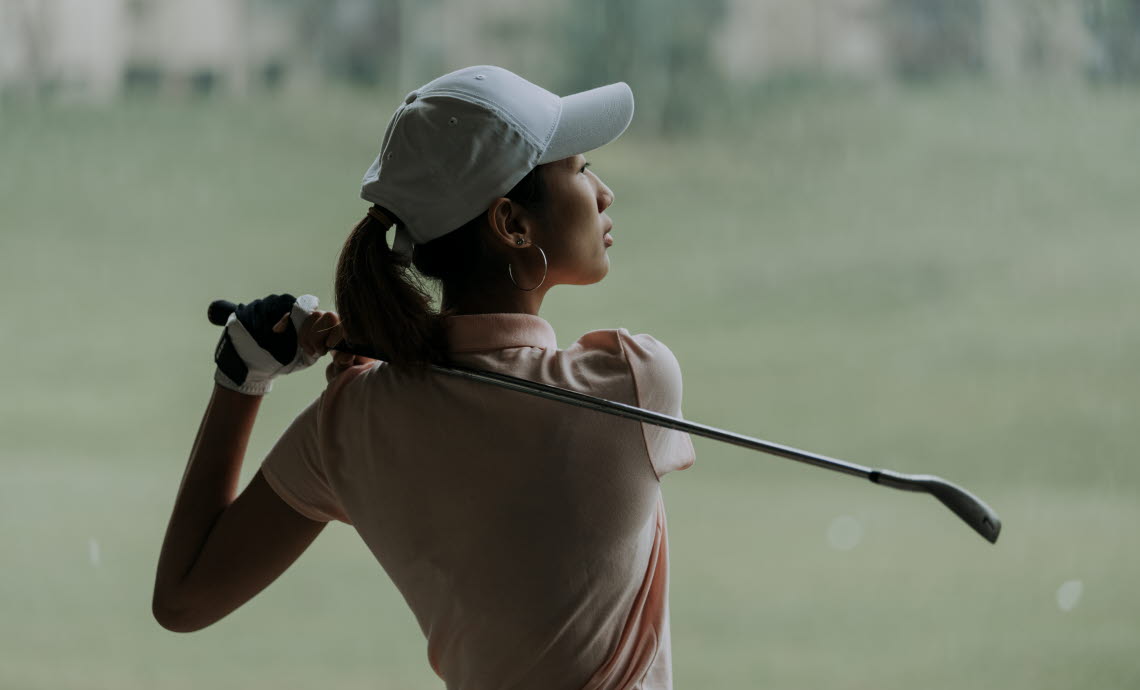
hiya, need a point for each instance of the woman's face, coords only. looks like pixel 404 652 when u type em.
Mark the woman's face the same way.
pixel 574 232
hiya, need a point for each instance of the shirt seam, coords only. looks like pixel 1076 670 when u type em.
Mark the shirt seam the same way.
pixel 637 397
pixel 289 497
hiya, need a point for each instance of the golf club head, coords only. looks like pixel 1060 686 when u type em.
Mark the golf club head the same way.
pixel 973 511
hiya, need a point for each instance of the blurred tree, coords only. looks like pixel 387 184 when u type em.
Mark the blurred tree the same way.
pixel 929 38
pixel 661 48
pixel 361 41
pixel 1115 26
pixel 1047 37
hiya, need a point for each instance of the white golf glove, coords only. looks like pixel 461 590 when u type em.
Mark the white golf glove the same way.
pixel 250 355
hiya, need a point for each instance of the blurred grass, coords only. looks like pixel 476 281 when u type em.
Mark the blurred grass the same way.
pixel 934 281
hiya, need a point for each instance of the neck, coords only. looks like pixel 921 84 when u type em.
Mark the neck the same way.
pixel 499 295
pixel 506 303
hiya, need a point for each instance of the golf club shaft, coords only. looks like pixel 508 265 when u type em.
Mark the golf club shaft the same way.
pixel 220 311
pixel 964 504
pixel 550 392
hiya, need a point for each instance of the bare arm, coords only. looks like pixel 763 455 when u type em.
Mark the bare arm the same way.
pixel 220 551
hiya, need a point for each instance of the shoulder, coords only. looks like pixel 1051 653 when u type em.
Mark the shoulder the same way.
pixel 650 361
pixel 656 378
pixel 619 341
pixel 349 384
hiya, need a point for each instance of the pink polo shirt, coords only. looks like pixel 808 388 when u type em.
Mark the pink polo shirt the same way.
pixel 527 535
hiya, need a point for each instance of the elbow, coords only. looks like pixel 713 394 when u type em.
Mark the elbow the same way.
pixel 174 617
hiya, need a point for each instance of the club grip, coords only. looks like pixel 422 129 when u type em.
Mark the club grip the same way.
pixel 219 311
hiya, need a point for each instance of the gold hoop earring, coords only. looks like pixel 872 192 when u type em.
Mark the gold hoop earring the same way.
pixel 545 267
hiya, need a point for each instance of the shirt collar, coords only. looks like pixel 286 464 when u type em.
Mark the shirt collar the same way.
pixel 477 332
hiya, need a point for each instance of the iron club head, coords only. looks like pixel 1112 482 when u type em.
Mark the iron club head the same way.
pixel 973 511
pixel 965 505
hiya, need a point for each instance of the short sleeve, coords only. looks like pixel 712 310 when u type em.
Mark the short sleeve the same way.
pixel 657 379
pixel 294 469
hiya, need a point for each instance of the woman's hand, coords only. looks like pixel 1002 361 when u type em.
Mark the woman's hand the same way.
pixel 320 331
pixel 342 361
pixel 261 341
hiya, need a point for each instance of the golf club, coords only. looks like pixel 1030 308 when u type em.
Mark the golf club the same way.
pixel 972 510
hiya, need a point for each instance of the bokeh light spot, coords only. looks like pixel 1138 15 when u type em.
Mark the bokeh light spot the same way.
pixel 1069 595
pixel 844 533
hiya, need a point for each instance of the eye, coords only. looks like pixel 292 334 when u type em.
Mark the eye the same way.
pixel 584 167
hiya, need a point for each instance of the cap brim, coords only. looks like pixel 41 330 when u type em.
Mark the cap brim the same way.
pixel 589 120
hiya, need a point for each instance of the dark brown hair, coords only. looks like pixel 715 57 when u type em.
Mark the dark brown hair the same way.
pixel 385 306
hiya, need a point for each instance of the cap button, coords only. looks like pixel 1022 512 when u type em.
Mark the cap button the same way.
pixel 411 97
pixel 480 76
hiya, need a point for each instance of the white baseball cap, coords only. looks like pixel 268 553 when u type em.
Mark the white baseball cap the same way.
pixel 460 141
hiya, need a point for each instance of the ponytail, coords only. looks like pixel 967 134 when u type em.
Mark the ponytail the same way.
pixel 382 306
pixel 382 302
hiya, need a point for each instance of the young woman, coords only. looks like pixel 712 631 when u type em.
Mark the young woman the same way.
pixel 528 536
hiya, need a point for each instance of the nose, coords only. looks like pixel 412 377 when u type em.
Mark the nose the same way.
pixel 605 196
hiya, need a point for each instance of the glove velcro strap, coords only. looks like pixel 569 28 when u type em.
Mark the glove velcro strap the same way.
pixel 229 361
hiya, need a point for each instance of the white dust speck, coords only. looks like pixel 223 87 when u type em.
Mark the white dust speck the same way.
pixel 844 533
pixel 93 551
pixel 1069 595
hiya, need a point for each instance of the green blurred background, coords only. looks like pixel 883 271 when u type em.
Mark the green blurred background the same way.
pixel 896 232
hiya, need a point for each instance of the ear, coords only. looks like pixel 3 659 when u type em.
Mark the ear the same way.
pixel 510 222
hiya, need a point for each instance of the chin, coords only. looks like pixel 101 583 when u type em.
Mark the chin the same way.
pixel 595 273
pixel 602 269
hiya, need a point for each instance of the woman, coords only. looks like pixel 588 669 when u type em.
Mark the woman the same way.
pixel 527 535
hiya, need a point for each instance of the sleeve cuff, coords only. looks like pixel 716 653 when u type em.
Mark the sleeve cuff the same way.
pixel 291 499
